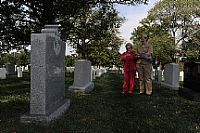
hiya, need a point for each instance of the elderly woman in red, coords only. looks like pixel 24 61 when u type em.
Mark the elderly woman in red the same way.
pixel 128 58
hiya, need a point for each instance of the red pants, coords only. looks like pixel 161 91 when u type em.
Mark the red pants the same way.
pixel 129 81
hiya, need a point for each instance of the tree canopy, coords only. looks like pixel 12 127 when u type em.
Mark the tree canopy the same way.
pixel 95 30
pixel 170 24
pixel 18 18
pixel 90 26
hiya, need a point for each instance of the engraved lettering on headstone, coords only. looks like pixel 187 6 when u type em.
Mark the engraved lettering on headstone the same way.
pixel 57 70
pixel 57 46
pixel 47 100
pixel 36 41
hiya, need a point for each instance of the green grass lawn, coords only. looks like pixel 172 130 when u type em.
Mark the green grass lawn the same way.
pixel 102 111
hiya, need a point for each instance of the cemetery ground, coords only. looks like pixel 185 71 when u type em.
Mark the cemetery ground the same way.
pixel 103 110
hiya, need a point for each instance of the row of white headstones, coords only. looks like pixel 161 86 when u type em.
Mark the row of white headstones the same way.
pixel 181 75
pixel 18 70
pixel 95 71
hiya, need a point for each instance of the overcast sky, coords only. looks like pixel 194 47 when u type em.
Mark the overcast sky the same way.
pixel 133 15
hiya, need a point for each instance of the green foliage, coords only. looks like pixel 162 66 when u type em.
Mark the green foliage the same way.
pixel 23 58
pixel 181 19
pixel 105 52
pixel 18 18
pixel 2 59
pixel 15 32
pixel 163 46
pixel 94 36
pixel 170 24
pixel 95 30
pixel 191 48
pixel 162 42
pixel 70 60
pixel 7 58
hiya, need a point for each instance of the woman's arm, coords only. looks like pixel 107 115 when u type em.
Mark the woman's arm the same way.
pixel 123 57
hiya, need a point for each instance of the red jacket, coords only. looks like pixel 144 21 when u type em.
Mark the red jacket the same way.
pixel 129 61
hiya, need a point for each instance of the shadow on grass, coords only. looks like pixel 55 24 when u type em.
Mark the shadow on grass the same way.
pixel 105 111
pixel 15 86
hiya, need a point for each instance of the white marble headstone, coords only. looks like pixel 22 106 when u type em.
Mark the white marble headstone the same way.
pixel 171 76
pixel 3 73
pixel 82 77
pixel 19 72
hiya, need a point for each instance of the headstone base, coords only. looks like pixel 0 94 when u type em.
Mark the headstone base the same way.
pixel 47 118
pixel 87 88
pixel 169 86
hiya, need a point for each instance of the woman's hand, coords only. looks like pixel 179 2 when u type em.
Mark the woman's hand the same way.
pixel 127 55
pixel 137 56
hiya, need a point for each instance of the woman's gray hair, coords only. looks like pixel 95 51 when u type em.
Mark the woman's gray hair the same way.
pixel 145 36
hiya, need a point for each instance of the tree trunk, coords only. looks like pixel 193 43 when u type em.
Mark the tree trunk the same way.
pixel 83 51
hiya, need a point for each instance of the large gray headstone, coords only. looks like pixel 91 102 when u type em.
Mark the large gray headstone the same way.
pixel 171 76
pixel 82 77
pixel 47 77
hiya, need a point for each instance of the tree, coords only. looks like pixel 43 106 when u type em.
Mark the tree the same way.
pixel 7 58
pixel 105 52
pixel 23 58
pixel 163 47
pixel 178 17
pixel 160 39
pixel 95 29
pixel 70 60
pixel 14 33
pixel 191 48
pixel 2 59
pixel 18 18
pixel 170 23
